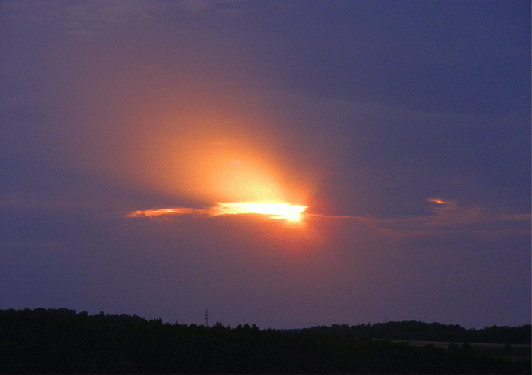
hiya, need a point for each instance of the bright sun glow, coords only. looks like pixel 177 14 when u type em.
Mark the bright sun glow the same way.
pixel 207 157
pixel 271 210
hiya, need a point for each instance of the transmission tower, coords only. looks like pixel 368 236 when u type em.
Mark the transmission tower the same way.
pixel 206 318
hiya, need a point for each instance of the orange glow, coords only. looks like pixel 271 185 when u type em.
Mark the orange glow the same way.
pixel 165 212
pixel 211 157
pixel 271 210
pixel 437 201
pixel 288 227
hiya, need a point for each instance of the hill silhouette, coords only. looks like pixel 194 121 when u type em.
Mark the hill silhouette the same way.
pixel 63 341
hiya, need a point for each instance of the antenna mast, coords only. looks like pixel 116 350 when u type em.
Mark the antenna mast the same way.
pixel 206 318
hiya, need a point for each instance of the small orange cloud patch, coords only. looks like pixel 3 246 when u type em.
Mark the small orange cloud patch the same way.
pixel 166 212
pixel 437 201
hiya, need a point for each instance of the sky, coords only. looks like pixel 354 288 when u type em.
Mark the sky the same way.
pixel 399 130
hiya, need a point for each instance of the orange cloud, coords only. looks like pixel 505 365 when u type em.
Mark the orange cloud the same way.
pixel 270 210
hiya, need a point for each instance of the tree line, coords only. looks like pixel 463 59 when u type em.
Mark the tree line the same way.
pixel 63 341
pixel 416 330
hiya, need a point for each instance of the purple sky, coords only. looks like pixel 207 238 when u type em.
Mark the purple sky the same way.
pixel 403 126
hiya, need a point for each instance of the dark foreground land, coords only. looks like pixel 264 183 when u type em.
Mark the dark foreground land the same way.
pixel 63 341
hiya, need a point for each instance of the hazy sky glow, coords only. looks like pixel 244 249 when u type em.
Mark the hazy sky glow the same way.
pixel 403 127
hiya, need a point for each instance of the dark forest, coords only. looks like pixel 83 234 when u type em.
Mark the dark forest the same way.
pixel 63 341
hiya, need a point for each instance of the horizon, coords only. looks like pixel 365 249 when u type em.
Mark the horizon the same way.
pixel 250 324
pixel 332 325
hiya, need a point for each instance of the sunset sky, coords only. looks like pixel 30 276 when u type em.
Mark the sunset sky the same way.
pixel 399 132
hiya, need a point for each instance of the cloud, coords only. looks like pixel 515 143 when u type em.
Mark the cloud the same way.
pixel 94 18
pixel 271 210
pixel 450 216
pixel 442 217
pixel 87 19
